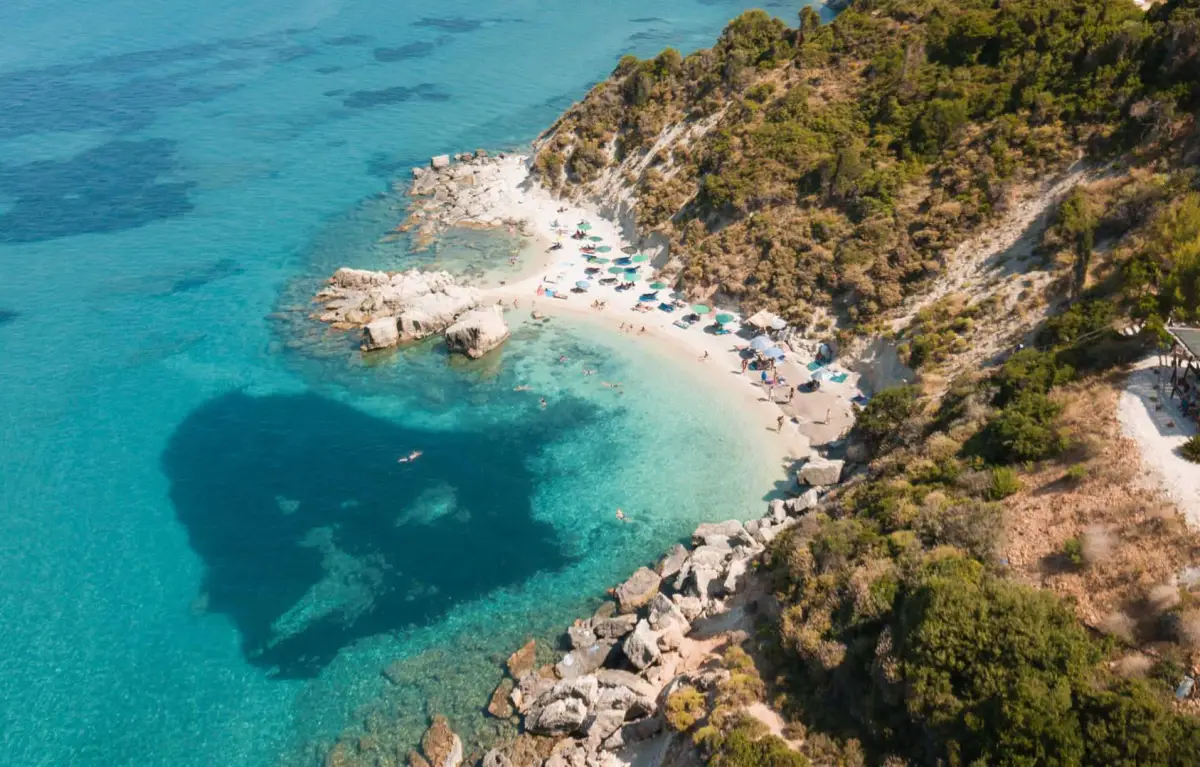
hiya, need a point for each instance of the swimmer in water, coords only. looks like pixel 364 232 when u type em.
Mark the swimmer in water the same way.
pixel 543 403
pixel 621 516
pixel 522 388
pixel 414 455
pixel 562 358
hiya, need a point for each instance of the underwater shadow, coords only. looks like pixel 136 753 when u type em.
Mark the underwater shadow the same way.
pixel 314 537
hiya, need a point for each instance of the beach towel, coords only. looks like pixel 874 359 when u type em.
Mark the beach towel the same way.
pixel 814 366
pixel 840 377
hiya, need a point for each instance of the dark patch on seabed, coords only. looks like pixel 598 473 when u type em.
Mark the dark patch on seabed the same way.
pixel 456 24
pixel 314 537
pixel 7 316
pixel 411 51
pixel 395 95
pixel 346 40
pixel 110 188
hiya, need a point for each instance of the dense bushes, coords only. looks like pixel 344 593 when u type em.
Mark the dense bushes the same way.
pixel 880 419
pixel 1191 449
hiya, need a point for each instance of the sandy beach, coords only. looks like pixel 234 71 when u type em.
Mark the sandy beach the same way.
pixel 811 418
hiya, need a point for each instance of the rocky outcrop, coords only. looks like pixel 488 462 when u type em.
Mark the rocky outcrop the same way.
pixel 638 590
pixel 819 472
pixel 521 662
pixel 641 647
pixel 464 193
pixel 478 332
pixel 394 307
pixel 439 744
pixel 500 705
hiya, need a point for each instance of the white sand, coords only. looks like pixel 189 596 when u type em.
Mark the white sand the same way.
pixel 1159 434
pixel 816 417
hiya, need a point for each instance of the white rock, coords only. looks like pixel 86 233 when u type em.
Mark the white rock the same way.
pixel 728 528
pixel 478 332
pixel 641 647
pixel 819 472
pixel 380 334
pixel 440 161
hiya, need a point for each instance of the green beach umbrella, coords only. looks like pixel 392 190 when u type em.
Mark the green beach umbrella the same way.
pixel 598 260
pixel 640 259
pixel 725 318
pixel 659 285
pixel 701 309
pixel 585 226
pixel 594 238
pixel 604 249
pixel 616 270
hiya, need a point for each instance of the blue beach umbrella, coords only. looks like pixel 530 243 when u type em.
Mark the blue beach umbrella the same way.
pixel 583 284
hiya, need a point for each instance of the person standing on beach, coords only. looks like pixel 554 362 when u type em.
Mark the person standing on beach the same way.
pixel 779 424
pixel 791 393
pixel 705 357
pixel 745 365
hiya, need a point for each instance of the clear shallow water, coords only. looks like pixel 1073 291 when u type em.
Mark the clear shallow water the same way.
pixel 208 551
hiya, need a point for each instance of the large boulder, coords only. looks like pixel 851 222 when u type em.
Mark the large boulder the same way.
pixel 435 312
pixel 563 709
pixel 610 677
pixel 439 161
pixel 819 471
pixel 806 500
pixel 442 748
pixel 615 627
pixel 478 332
pixel 673 560
pixel 638 590
pixel 641 647
pixel 531 687
pixel 500 705
pixel 496 758
pixel 664 615
pixel 728 528
pixel 380 334
pixel 578 663
pixel 581 636
pixel 520 663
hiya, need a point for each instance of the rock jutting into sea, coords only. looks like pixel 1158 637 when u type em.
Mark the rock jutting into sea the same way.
pixel 610 689
pixel 463 193
pixel 396 307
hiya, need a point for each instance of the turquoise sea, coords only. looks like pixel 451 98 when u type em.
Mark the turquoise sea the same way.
pixel 208 553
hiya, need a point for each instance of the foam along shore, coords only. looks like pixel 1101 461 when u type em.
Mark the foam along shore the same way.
pixel 495 191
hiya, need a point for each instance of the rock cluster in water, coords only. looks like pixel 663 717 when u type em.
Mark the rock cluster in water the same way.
pixel 396 307
pixel 464 193
pixel 610 689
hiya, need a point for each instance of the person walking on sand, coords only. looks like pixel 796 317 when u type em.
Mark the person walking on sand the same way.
pixel 745 366
pixel 791 393
pixel 779 424
pixel 705 357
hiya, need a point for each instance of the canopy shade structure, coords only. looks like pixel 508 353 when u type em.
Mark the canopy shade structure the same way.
pixel 1188 338
pixel 762 319
pixel 761 343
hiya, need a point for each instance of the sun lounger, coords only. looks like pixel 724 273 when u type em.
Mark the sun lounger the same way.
pixel 681 324
pixel 649 296
pixel 666 307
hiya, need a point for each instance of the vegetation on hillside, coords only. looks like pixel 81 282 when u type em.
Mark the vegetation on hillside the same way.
pixel 839 164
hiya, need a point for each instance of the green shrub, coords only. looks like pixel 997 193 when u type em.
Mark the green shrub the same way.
pixel 1072 553
pixel 1191 449
pixel 1076 473
pixel 1024 430
pixel 1005 482
pixel 745 746
pixel 885 413
pixel 685 707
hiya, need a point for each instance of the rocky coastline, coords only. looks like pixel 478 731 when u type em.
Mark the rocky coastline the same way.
pixel 463 192
pixel 606 697
pixel 392 308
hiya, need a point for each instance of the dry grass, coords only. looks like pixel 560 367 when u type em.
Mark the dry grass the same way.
pixel 1135 541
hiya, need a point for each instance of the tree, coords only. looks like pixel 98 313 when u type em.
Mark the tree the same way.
pixel 885 413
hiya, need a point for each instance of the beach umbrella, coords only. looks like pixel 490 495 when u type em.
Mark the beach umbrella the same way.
pixel 822 375
pixel 598 260
pixel 585 226
pixel 583 284
pixel 616 270
pixel 604 249
pixel 725 318
pixel 624 260
pixel 701 309
pixel 640 258
pixel 658 285
pixel 761 343
pixel 629 249
pixel 594 238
